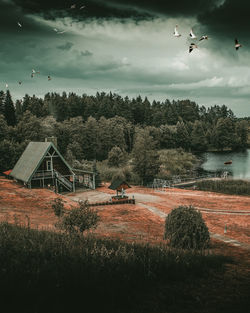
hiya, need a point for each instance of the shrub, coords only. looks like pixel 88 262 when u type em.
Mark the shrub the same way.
pixel 79 219
pixel 58 207
pixel 186 229
pixel 116 157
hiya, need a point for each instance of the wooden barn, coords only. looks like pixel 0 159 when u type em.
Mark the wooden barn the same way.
pixel 42 165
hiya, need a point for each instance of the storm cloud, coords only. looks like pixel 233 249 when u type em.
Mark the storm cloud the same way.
pixel 128 47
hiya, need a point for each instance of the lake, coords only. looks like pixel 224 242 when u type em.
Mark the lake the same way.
pixel 239 169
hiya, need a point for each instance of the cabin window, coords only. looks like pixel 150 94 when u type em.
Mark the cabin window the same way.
pixel 49 166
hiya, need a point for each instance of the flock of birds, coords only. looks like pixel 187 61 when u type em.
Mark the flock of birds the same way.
pixel 192 45
pixel 34 72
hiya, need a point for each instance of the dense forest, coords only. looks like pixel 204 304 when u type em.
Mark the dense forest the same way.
pixel 90 127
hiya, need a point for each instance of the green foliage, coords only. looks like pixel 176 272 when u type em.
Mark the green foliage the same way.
pixel 223 134
pixel 229 186
pixel 186 229
pixel 145 157
pixel 182 135
pixel 58 207
pixel 116 157
pixel 9 110
pixel 176 162
pixel 79 219
pixel 198 137
pixel 109 173
pixel 49 271
pixel 9 154
pixel 4 129
pixel 91 127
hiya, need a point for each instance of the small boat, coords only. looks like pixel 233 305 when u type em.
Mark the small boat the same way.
pixel 228 162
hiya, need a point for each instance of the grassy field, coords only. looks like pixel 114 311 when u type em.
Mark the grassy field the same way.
pixel 50 272
pixel 231 187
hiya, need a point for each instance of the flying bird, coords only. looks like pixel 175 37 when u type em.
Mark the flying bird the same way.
pixel 20 83
pixel 19 24
pixel 7 86
pixel 59 32
pixel 203 37
pixel 237 44
pixel 192 35
pixel 73 6
pixel 176 33
pixel 33 72
pixel 192 47
pixel 82 7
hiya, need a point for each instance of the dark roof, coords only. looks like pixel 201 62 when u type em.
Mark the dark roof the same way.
pixel 31 159
pixel 117 183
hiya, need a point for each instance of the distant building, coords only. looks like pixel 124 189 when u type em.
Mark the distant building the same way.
pixel 120 186
pixel 42 165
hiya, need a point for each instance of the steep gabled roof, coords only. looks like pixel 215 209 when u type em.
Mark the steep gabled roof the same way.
pixel 117 183
pixel 31 159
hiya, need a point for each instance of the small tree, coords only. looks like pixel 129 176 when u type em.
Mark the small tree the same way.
pixel 186 229
pixel 116 157
pixel 79 219
pixel 58 207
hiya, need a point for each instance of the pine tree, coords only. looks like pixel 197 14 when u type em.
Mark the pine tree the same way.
pixel 9 110
pixel 2 102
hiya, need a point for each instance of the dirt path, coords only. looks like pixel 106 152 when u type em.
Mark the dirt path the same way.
pixel 213 235
pixel 154 210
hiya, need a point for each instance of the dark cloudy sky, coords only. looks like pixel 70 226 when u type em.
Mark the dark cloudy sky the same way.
pixel 128 47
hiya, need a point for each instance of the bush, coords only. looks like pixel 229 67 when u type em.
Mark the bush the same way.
pixel 58 207
pixel 79 219
pixel 176 162
pixel 186 229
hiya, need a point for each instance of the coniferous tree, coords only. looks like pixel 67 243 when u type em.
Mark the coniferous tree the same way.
pixel 9 110
pixel 2 96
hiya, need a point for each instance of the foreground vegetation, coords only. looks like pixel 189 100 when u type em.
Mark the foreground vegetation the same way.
pixel 51 272
pixel 231 187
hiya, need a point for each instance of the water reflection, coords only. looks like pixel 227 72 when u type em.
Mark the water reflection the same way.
pixel 240 167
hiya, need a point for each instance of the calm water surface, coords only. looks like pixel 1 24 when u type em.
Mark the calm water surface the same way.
pixel 239 169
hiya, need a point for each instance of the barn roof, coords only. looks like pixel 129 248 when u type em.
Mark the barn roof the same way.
pixel 31 159
pixel 117 183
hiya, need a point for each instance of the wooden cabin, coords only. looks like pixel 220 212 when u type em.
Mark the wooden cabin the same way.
pixel 41 165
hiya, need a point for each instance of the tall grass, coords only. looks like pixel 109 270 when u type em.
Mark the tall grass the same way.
pixel 50 272
pixel 232 187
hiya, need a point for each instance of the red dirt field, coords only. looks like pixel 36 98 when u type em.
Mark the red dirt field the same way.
pixel 140 222
pixel 24 205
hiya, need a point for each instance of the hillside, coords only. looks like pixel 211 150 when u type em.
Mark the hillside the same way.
pixel 220 291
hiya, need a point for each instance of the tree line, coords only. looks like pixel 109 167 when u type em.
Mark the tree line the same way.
pixel 89 127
